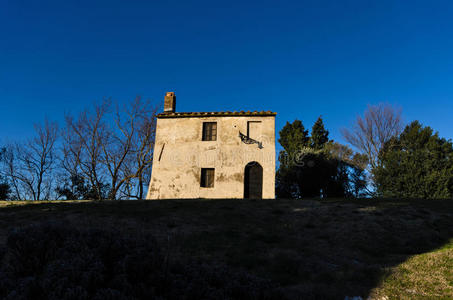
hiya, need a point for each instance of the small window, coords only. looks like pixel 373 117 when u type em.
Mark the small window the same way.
pixel 254 129
pixel 209 131
pixel 207 177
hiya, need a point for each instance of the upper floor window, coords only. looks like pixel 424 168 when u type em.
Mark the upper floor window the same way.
pixel 209 131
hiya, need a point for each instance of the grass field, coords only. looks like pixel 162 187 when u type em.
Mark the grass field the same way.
pixel 314 249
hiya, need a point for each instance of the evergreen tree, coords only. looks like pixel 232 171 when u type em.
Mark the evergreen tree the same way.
pixel 76 188
pixel 293 137
pixel 5 189
pixel 319 135
pixel 306 171
pixel 358 176
pixel 73 188
pixel 416 164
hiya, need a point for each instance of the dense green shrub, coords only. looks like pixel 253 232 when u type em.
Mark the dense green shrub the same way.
pixel 57 261
pixel 416 164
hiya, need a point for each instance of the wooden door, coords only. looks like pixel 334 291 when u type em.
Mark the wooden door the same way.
pixel 253 181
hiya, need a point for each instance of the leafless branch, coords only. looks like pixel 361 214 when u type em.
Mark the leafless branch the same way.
pixel 28 166
pixel 370 132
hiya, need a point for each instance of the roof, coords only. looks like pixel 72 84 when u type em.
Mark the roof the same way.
pixel 216 114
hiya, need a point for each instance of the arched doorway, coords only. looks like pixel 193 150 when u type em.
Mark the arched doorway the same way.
pixel 253 181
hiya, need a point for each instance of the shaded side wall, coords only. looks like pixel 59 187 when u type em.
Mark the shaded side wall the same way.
pixel 179 155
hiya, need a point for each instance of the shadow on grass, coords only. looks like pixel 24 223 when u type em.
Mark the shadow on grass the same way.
pixel 314 249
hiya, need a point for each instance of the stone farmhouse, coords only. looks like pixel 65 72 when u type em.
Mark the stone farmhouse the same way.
pixel 213 154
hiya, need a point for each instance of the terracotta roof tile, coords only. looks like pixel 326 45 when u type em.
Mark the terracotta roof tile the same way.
pixel 215 114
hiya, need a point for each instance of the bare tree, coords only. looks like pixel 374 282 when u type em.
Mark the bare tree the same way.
pixel 83 144
pixel 128 152
pixel 114 147
pixel 9 166
pixel 28 166
pixel 137 166
pixel 370 132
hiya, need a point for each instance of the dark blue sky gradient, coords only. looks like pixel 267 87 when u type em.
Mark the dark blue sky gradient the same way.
pixel 300 59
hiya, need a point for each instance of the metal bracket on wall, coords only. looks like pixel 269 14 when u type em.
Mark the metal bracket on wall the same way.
pixel 247 140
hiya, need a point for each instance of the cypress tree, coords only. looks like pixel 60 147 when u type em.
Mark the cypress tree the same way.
pixel 319 135
pixel 293 137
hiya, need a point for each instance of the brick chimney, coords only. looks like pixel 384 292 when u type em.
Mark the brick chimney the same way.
pixel 170 102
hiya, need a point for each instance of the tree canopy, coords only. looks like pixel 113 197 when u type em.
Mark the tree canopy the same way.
pixel 294 137
pixel 416 164
pixel 314 166
pixel 371 131
pixel 319 135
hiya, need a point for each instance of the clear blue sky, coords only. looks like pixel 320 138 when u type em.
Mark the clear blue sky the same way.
pixel 301 59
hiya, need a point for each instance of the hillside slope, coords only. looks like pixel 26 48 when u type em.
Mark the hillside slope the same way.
pixel 314 249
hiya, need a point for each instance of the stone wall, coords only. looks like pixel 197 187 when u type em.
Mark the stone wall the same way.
pixel 180 153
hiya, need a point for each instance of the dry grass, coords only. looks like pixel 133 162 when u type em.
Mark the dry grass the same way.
pixel 20 203
pixel 314 249
pixel 424 276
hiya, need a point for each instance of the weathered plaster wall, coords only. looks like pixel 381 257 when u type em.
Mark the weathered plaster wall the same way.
pixel 179 155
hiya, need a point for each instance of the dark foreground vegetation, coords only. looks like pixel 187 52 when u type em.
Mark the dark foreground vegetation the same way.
pixel 227 249
pixel 59 261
